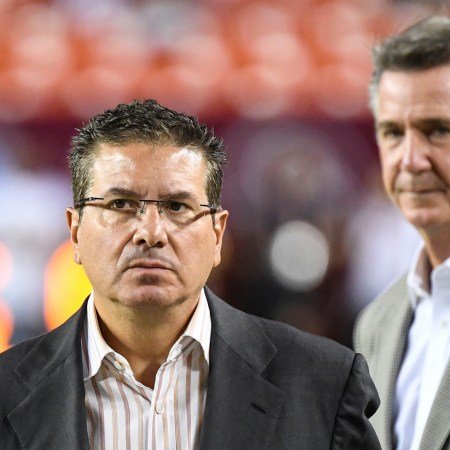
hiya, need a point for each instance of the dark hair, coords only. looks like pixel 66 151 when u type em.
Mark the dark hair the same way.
pixel 422 46
pixel 149 122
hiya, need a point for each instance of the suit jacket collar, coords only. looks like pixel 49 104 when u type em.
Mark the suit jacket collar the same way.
pixel 437 429
pixel 392 334
pixel 242 407
pixel 52 372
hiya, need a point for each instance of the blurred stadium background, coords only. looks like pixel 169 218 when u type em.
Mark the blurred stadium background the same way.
pixel 311 237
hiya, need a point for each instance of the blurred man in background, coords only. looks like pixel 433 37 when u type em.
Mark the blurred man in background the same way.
pixel 154 359
pixel 405 332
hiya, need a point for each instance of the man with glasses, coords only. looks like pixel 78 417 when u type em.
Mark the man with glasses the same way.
pixel 153 359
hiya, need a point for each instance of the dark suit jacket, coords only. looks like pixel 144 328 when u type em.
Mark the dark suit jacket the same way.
pixel 270 387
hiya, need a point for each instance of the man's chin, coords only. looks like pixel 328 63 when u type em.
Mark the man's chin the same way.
pixel 425 218
pixel 149 297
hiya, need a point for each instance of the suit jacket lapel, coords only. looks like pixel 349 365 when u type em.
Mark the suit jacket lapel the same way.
pixel 392 337
pixel 241 406
pixel 437 428
pixel 52 374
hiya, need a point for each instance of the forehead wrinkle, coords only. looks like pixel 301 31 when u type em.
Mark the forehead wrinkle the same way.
pixel 121 171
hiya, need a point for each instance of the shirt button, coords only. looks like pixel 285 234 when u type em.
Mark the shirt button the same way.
pixel 117 365
pixel 159 408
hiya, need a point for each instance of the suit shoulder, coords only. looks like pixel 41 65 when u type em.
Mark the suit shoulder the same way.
pixel 385 303
pixel 12 388
pixel 251 336
pixel 292 341
pixel 65 336
pixel 374 317
pixel 10 357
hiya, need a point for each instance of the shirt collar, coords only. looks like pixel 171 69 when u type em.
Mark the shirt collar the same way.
pixel 199 327
pixel 419 275
pixel 95 348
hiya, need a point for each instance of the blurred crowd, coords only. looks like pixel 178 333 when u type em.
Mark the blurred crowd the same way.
pixel 311 236
pixel 251 58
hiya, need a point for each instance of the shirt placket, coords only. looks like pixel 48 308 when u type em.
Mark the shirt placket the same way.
pixel 163 407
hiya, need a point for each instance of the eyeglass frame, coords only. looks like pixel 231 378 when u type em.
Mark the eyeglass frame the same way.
pixel 79 204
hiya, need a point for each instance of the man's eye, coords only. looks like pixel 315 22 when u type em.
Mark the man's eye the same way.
pixel 391 133
pixel 122 203
pixel 439 132
pixel 173 206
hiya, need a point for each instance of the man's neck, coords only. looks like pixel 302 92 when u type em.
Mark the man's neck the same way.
pixel 437 245
pixel 143 337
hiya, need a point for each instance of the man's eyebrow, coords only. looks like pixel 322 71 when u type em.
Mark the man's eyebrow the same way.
pixel 178 195
pixel 434 121
pixel 387 124
pixel 116 190
pixel 128 193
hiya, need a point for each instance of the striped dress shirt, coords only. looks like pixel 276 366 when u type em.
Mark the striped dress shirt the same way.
pixel 123 414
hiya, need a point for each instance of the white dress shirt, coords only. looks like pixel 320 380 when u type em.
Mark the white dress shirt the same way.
pixel 427 351
pixel 123 414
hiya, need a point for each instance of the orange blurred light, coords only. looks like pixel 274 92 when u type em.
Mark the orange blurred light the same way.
pixel 65 286
pixel 6 326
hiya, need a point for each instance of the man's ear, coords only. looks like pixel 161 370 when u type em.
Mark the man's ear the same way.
pixel 219 230
pixel 73 221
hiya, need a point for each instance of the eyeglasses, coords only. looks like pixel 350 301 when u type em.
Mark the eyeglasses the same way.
pixel 119 211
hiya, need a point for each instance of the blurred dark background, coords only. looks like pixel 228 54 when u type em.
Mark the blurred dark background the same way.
pixel 311 237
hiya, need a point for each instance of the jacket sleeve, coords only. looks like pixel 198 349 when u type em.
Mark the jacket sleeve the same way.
pixel 358 403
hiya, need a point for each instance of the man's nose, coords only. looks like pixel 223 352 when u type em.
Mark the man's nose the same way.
pixel 149 226
pixel 415 155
